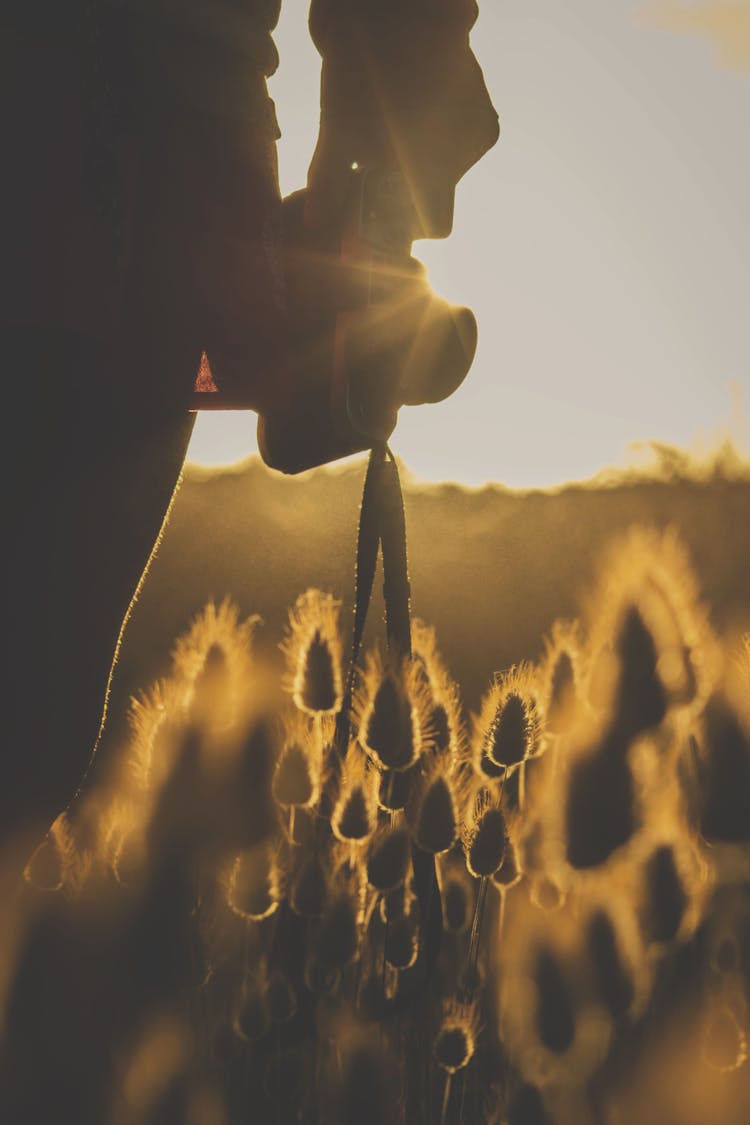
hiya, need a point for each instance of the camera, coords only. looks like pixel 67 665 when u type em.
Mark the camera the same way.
pixel 365 333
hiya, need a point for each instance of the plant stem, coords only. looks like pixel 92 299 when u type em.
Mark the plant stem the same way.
pixel 446 1098
pixel 471 960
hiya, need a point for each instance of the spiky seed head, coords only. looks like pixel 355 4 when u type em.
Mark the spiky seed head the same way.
pixel 456 1041
pixel 437 689
pixel 309 888
pixel 280 997
pixel 562 692
pixel 253 1018
pixel 253 890
pixel 212 663
pixel 666 655
pixel 508 741
pixel 402 941
pixel 484 835
pixel 641 701
pixel 293 782
pixel 338 937
pixel 353 819
pixel 559 676
pixel 508 728
pixel 55 859
pixel 391 732
pixel 318 690
pixel 354 816
pixel 388 859
pixel 435 825
pixel 395 789
pixel 313 653
pixel 440 728
pixel 212 690
pixel 546 894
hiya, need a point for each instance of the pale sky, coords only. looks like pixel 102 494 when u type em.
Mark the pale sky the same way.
pixel 603 244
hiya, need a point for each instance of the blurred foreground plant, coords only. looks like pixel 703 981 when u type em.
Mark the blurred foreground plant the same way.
pixel 238 923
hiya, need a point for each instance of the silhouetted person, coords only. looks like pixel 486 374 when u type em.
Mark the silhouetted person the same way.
pixel 141 226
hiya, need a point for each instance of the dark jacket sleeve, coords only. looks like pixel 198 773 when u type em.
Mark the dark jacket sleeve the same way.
pixel 397 71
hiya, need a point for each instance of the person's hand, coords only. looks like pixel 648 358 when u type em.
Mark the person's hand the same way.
pixel 366 335
pixel 401 90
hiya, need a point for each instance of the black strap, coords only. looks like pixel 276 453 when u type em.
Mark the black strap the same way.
pixel 396 588
pixel 382 525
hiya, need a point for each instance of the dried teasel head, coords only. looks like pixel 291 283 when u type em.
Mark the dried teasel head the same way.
pixel 354 815
pixel 213 666
pixel 254 883
pixel 559 676
pixel 443 730
pixel 402 940
pixel 389 713
pixel 434 816
pixel 508 729
pixel 456 1040
pixel 484 833
pixel 313 654
pixel 724 1046
pixel 395 788
pixel 646 610
pixel 296 778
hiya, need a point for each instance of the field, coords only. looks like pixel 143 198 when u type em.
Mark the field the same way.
pixel 513 888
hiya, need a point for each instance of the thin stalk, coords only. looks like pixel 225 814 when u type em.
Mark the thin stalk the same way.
pixel 471 960
pixel 446 1098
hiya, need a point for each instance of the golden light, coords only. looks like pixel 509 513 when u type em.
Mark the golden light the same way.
pixel 605 253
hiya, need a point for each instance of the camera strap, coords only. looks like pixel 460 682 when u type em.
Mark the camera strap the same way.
pixel 382 527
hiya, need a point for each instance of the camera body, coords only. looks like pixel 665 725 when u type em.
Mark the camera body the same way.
pixel 361 332
pixel 349 402
pixel 336 391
